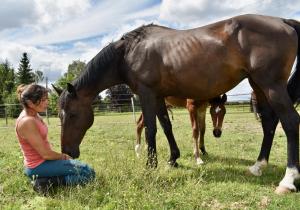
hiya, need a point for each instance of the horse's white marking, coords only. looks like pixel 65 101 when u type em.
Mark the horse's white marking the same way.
pixel 217 110
pixel 199 161
pixel 256 169
pixel 138 150
pixel 291 174
pixel 63 113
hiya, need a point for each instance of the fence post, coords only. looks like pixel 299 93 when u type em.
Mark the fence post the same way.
pixel 5 113
pixel 133 110
pixel 47 107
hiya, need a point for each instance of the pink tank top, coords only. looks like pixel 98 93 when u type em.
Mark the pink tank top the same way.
pixel 31 157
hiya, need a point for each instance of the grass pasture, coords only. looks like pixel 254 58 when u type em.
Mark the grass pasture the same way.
pixel 123 181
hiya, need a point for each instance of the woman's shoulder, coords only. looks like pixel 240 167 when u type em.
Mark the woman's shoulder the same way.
pixel 26 121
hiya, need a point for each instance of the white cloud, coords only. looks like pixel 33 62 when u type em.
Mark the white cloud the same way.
pixel 64 20
pixel 16 13
pixel 55 21
pixel 192 13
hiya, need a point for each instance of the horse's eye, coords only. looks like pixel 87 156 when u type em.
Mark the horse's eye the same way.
pixel 72 115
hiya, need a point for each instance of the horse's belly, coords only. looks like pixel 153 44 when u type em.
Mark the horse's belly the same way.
pixel 203 83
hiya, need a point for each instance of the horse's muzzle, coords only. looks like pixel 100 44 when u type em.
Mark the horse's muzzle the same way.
pixel 73 152
pixel 217 133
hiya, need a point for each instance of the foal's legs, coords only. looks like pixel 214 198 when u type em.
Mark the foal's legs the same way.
pixel 164 120
pixel 139 130
pixel 192 108
pixel 201 112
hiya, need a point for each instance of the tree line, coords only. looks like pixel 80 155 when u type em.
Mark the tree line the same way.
pixel 117 98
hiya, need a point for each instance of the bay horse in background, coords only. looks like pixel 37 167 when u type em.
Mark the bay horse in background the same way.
pixel 197 112
pixel 200 63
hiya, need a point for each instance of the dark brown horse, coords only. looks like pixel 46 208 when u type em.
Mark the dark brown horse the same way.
pixel 200 63
pixel 197 112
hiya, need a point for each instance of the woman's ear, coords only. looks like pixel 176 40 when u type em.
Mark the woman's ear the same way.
pixel 30 104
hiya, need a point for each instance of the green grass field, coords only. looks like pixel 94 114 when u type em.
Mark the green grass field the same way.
pixel 124 182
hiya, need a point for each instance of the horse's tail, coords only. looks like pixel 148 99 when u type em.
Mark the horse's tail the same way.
pixel 293 86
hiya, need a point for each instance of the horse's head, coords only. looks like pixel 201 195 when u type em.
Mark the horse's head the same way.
pixel 217 112
pixel 76 117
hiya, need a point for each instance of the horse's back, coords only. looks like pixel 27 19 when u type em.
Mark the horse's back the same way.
pixel 187 63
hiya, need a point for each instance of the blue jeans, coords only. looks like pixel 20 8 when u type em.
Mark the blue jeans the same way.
pixel 72 171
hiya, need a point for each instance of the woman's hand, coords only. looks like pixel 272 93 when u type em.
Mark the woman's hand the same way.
pixel 65 156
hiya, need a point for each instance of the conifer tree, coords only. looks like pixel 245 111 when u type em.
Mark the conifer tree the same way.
pixel 24 74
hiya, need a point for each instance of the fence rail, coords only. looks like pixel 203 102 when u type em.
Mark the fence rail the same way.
pixel 6 112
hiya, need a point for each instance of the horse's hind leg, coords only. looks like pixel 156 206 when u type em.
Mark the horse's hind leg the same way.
pixel 139 130
pixel 280 102
pixel 269 122
pixel 165 122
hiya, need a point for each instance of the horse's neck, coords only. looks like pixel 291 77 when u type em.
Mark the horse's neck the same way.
pixel 89 92
pixel 92 91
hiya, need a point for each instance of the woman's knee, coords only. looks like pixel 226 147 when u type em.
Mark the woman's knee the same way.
pixel 88 172
pixel 85 170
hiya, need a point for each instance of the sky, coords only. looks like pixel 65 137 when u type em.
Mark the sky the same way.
pixel 56 32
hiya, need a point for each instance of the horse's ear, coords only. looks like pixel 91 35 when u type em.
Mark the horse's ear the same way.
pixel 57 90
pixel 71 89
pixel 224 98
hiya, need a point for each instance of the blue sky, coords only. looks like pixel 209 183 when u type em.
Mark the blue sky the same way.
pixel 56 32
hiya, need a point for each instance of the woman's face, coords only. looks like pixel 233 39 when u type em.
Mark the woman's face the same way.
pixel 42 105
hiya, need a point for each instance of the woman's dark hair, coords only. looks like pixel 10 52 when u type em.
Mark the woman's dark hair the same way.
pixel 32 92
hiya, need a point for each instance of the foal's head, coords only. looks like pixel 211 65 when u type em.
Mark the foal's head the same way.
pixel 217 112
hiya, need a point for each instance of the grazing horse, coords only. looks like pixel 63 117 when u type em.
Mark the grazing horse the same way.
pixel 200 63
pixel 197 112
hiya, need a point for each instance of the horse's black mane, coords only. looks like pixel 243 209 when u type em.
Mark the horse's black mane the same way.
pixel 136 33
pixel 94 69
pixel 135 36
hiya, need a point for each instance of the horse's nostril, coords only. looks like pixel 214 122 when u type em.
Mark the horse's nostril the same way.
pixel 217 133
pixel 73 152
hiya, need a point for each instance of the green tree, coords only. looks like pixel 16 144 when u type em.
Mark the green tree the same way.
pixel 74 70
pixel 7 80
pixel 24 74
pixel 72 73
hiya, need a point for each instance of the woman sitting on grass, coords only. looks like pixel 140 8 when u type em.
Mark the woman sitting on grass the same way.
pixel 45 167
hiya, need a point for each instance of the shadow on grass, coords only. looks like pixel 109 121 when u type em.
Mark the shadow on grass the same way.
pixel 231 169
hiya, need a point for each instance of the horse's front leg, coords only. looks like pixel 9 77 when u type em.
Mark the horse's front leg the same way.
pixel 164 120
pixel 148 101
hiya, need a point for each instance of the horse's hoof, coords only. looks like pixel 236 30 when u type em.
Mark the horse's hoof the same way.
pixel 280 190
pixel 138 150
pixel 203 151
pixel 152 164
pixel 173 163
pixel 254 171
pixel 199 161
